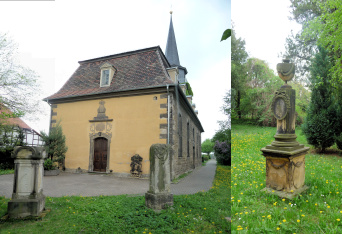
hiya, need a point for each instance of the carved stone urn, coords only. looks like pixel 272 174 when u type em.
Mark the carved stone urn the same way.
pixel 285 157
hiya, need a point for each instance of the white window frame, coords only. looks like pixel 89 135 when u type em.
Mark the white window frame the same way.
pixel 111 69
pixel 103 78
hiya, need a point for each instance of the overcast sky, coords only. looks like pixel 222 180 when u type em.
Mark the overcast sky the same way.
pixel 264 25
pixel 54 35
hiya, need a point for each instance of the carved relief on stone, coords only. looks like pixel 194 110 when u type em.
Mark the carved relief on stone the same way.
pixel 285 173
pixel 108 127
pixel 100 127
pixel 101 112
pixel 280 104
pixel 92 128
pixel 136 166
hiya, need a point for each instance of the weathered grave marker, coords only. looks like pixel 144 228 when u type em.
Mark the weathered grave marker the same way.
pixel 285 157
pixel 27 198
pixel 159 196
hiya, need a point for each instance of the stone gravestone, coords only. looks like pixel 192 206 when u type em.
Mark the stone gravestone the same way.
pixel 285 157
pixel 159 196
pixel 27 197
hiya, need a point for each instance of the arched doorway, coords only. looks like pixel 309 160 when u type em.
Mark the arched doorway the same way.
pixel 100 154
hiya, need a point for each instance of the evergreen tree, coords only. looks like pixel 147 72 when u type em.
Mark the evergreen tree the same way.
pixel 55 144
pixel 321 124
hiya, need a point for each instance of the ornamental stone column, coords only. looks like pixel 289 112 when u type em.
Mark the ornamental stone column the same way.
pixel 158 196
pixel 27 198
pixel 285 157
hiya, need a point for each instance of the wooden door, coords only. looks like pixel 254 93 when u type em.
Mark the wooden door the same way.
pixel 100 154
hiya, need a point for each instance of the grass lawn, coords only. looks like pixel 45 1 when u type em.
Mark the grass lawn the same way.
pixel 318 210
pixel 203 212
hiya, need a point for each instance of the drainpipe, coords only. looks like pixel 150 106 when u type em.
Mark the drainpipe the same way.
pixel 47 101
pixel 168 115
pixel 168 128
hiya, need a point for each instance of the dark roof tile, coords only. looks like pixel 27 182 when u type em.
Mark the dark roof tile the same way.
pixel 134 70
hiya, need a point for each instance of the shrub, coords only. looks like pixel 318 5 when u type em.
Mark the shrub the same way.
pixel 338 140
pixel 223 153
pixel 48 165
pixel 205 158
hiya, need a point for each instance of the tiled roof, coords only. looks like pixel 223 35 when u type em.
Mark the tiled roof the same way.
pixel 134 70
pixel 12 121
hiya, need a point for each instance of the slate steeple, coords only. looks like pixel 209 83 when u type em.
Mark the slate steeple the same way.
pixel 171 53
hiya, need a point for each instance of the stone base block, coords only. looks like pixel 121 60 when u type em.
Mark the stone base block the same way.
pixel 52 172
pixel 283 194
pixel 21 208
pixel 285 174
pixel 158 201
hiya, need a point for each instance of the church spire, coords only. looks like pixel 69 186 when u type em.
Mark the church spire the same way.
pixel 171 51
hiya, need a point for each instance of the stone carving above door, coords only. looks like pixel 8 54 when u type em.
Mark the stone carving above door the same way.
pixel 101 114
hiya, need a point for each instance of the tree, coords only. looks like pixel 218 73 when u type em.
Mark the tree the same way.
pixel 221 141
pixel 18 85
pixel 322 121
pixel 300 48
pixel 55 144
pixel 207 146
pixel 261 83
pixel 10 137
pixel 238 72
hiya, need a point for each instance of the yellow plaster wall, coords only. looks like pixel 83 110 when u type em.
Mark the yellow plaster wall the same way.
pixel 135 127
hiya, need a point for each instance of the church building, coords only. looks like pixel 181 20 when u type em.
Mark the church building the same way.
pixel 117 106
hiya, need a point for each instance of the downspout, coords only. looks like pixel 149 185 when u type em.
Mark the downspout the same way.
pixel 168 128
pixel 47 101
pixel 168 114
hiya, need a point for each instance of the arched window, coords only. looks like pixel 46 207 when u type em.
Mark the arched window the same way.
pixel 180 136
pixel 188 138
pixel 193 144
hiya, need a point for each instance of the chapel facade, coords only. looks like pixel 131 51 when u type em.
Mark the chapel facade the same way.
pixel 115 107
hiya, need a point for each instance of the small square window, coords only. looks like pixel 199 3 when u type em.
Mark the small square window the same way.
pixel 105 77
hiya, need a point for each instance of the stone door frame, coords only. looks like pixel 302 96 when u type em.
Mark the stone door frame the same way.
pixel 93 136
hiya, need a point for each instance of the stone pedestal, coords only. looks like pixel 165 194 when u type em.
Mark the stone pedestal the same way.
pixel 27 197
pixel 285 157
pixel 159 196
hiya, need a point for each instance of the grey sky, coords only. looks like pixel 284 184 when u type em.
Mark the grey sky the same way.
pixel 264 25
pixel 54 35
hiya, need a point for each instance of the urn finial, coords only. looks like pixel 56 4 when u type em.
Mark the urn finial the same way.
pixel 286 70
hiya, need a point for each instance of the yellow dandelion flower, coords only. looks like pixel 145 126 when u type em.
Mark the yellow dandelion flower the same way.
pixel 284 220
pixel 298 220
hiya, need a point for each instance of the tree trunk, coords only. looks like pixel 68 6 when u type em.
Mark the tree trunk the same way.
pixel 238 104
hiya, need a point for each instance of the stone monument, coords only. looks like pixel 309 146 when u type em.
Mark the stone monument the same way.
pixel 136 166
pixel 27 197
pixel 159 196
pixel 285 157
